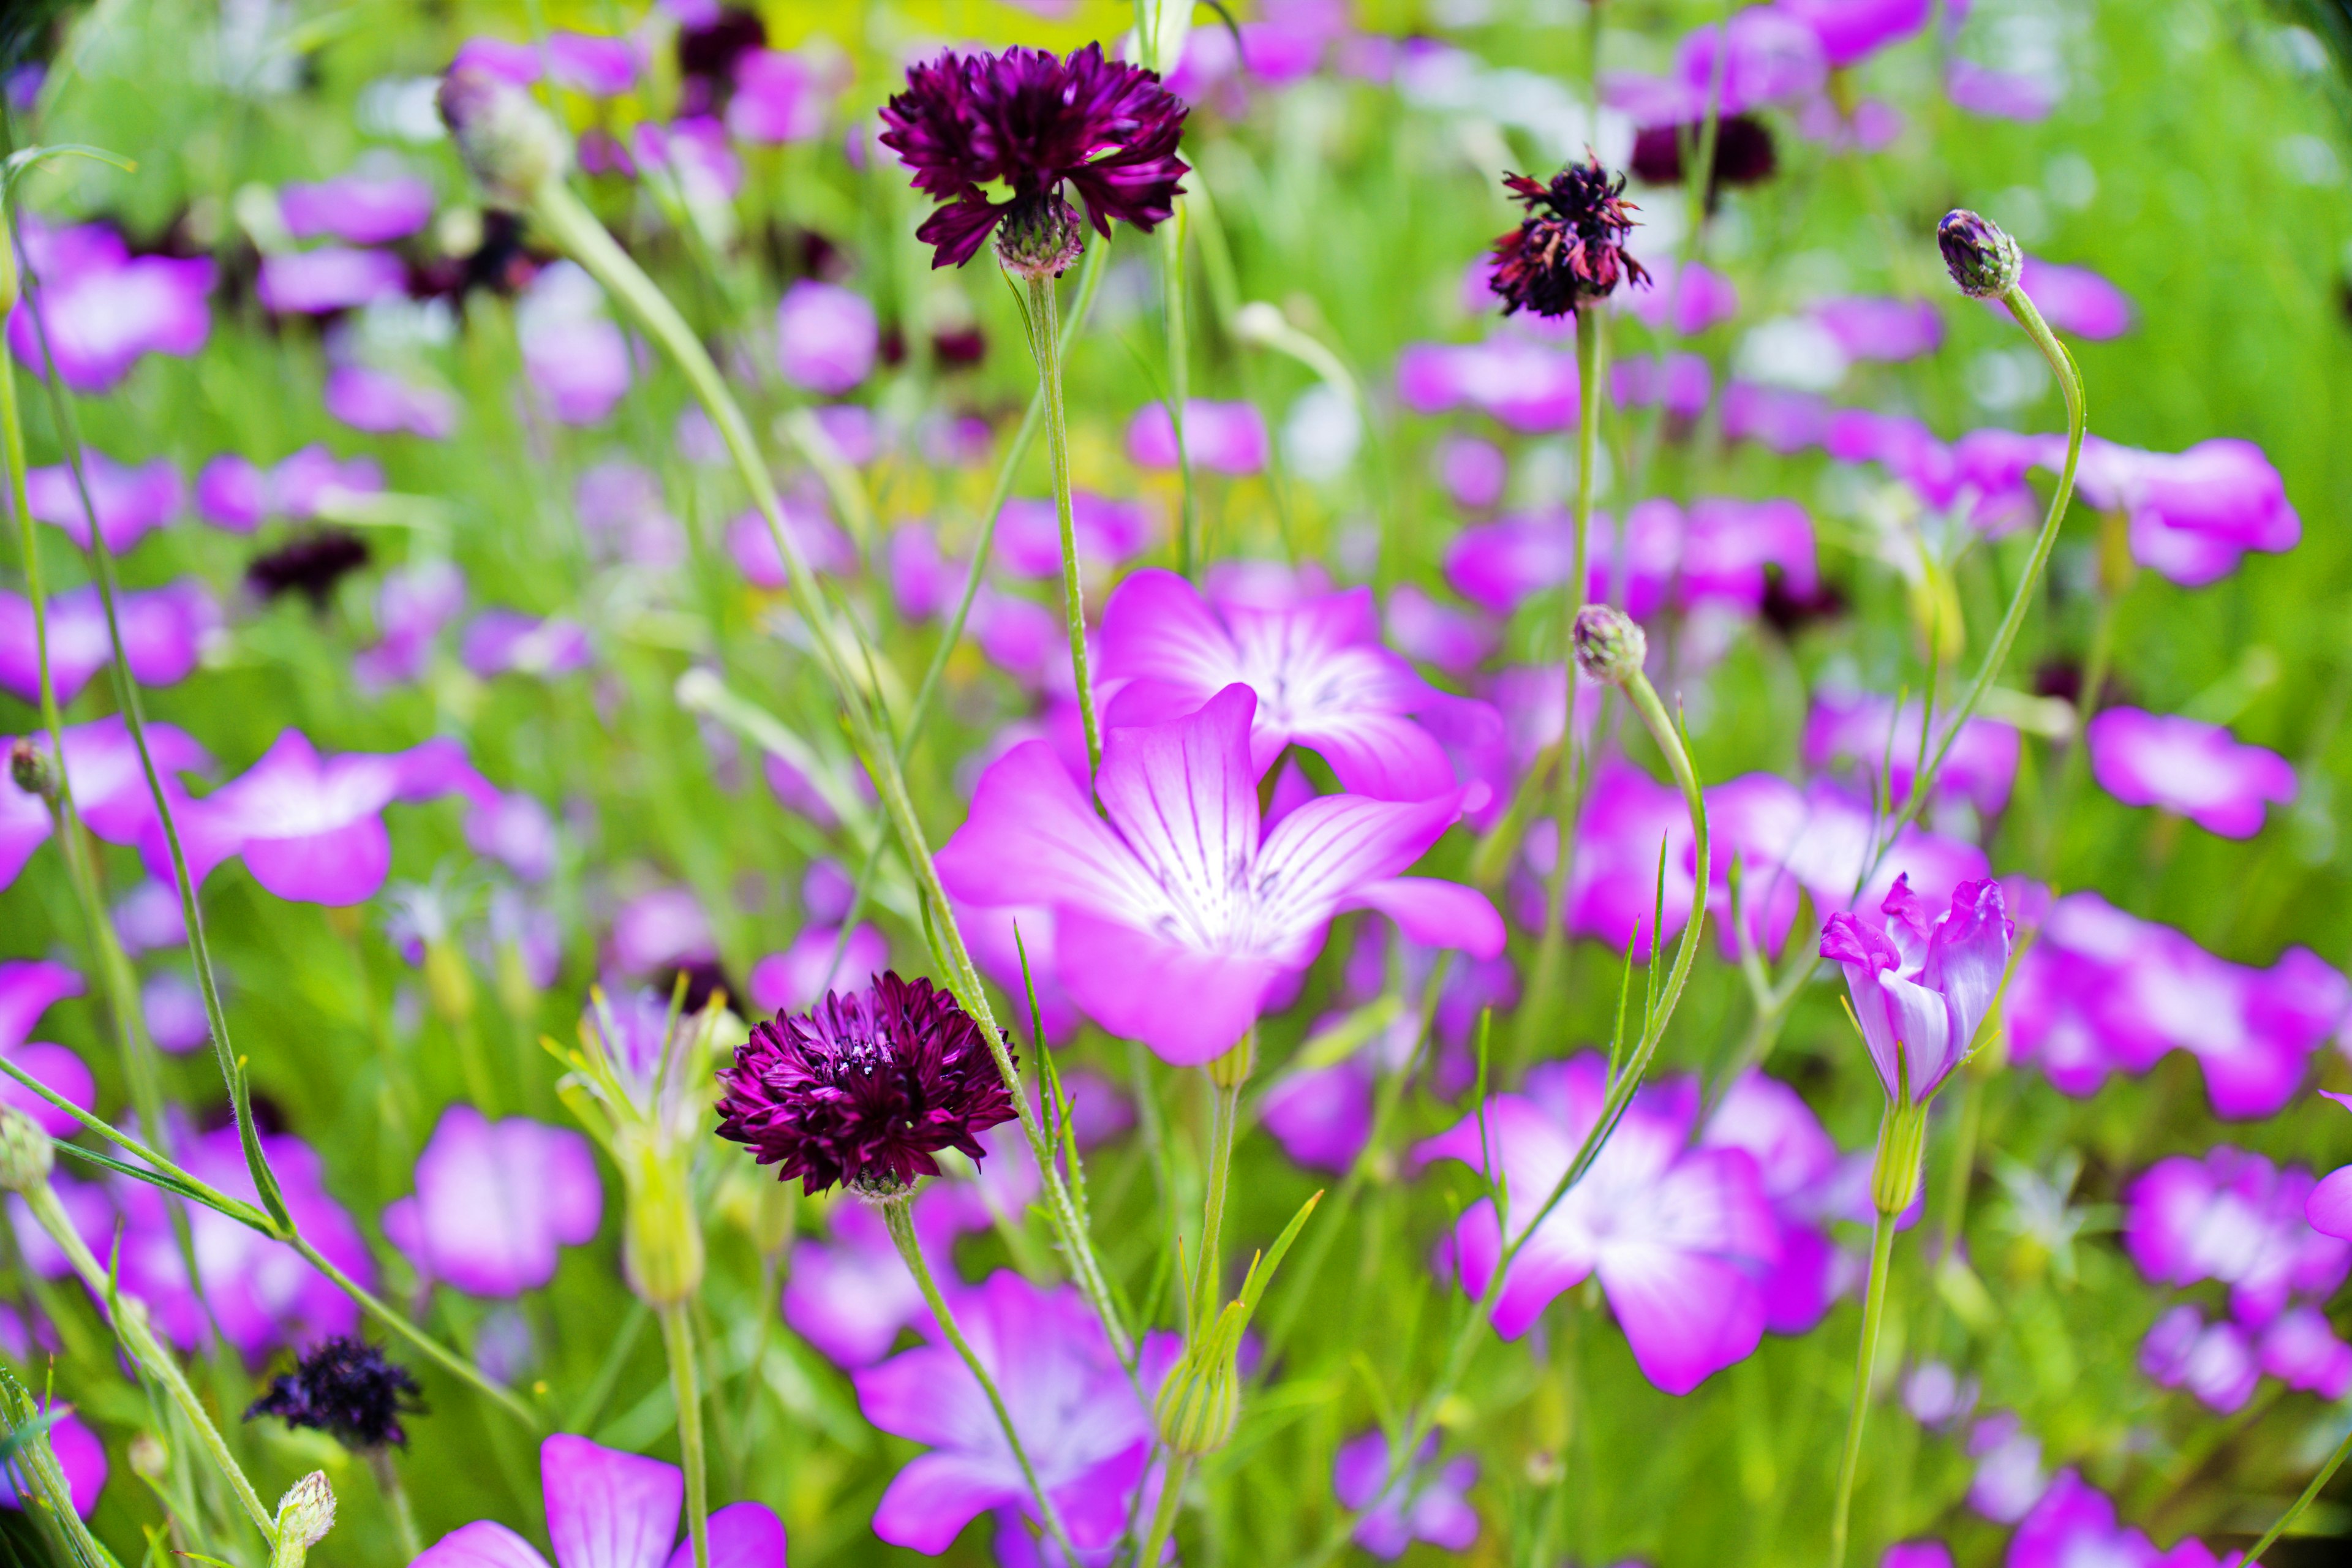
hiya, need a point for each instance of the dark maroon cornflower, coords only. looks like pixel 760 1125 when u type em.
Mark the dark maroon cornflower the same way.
pixel 864 1089
pixel 1571 245
pixel 311 565
pixel 1743 154
pixel 347 1389
pixel 1034 123
pixel 707 56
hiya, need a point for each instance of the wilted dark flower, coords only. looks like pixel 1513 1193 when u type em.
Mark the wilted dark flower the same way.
pixel 347 1389
pixel 311 565
pixel 1743 154
pixel 1571 245
pixel 1034 123
pixel 1982 259
pixel 864 1089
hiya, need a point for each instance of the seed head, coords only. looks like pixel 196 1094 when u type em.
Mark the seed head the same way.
pixel 1983 260
pixel 1610 644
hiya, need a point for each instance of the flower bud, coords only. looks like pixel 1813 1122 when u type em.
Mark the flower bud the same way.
pixel 1983 260
pixel 31 769
pixel 1231 1070
pixel 150 1460
pixel 511 145
pixel 1040 237
pixel 26 1153
pixel 1609 645
pixel 305 1514
pixel 1894 1173
pixel 1200 1400
pixel 661 1236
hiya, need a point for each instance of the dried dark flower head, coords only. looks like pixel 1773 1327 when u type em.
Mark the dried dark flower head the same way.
pixel 347 1389
pixel 864 1089
pixel 1571 245
pixel 1743 154
pixel 1982 259
pixel 1032 124
pixel 311 565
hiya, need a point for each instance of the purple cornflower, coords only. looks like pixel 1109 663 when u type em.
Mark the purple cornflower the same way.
pixel 1084 1431
pixel 1028 122
pixel 2182 765
pixel 864 1089
pixel 164 632
pixel 494 1202
pixel 1571 248
pixel 1180 910
pixel 1681 1238
pixel 348 1388
pixel 1922 983
pixel 610 1510
pixel 1438 1512
pixel 1322 679
pixel 2238 1219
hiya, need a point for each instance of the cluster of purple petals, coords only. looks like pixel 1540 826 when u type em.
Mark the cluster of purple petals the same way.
pixel 128 502
pixel 1287 44
pixel 495 1202
pixel 2188 767
pixel 237 494
pixel 1863 737
pixel 2102 992
pixel 1428 1502
pixel 102 309
pixel 165 634
pixel 2073 1522
pixel 2236 1218
pixel 1717 552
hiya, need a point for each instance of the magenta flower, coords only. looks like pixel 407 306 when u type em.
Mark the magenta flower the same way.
pixel 2301 1350
pixel 852 1297
pixel 2215 1361
pixel 235 494
pixel 826 337
pixel 1681 1238
pixel 1875 328
pixel 1768 56
pixel 623 513
pixel 130 503
pixel 1781 418
pixel 1222 438
pixel 103 308
pixel 27 989
pixel 413 604
pixel 1084 1429
pixel 2075 300
pixel 1721 551
pixel 1528 387
pixel 2192 769
pixel 332 278
pixel 2074 1524
pixel 1852 30
pixel 1860 733
pixel 797 979
pixel 110 787
pixel 610 1510
pixel 2194 513
pixel 1803 1177
pixel 383 403
pixel 827 548
pixel 1437 1510
pixel 494 1202
pixel 585 62
pixel 2329 1207
pixel 501 642
pixel 1179 909
pixel 1472 471
pixel 357 208
pixel 1611 892
pixel 779 97
pixel 1685 301
pixel 164 632
pixel 574 355
pixel 1921 982
pixel 1681 384
pixel 1423 627
pixel 1029 533
pixel 1033 124
pixel 1321 677
pixel 2238 1219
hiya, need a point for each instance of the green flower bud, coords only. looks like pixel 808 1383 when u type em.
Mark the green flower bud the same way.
pixel 305 1514
pixel 1609 645
pixel 510 144
pixel 26 1153
pixel 1894 1173
pixel 1983 260
pixel 661 1236
pixel 1200 1399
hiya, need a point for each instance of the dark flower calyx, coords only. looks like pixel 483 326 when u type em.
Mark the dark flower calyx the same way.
pixel 1030 124
pixel 1570 247
pixel 346 1388
pixel 311 565
pixel 864 1089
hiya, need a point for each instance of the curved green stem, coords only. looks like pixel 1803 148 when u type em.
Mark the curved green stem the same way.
pixel 1045 323
pixel 1882 1252
pixel 398 1322
pixel 678 1343
pixel 2318 1484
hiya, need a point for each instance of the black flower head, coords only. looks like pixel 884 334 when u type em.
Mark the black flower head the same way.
pixel 1571 245
pixel 1031 124
pixel 345 1388
pixel 864 1089
pixel 311 565
pixel 1744 155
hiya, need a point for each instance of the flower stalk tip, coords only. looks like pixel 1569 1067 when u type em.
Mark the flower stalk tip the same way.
pixel 1611 645
pixel 1980 256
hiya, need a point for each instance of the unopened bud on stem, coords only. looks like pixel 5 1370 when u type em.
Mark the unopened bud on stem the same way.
pixel 27 1153
pixel 31 769
pixel 509 144
pixel 1894 1173
pixel 1983 260
pixel 305 1514
pixel 1609 645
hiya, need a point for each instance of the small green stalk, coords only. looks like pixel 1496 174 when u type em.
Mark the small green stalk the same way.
pixel 897 1217
pixel 395 1496
pixel 1873 1310
pixel 1225 1074
pixel 678 1343
pixel 1180 387
pixel 2286 1521
pixel 1045 323
pixel 1163 1517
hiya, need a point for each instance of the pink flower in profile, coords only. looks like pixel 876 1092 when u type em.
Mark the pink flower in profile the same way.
pixel 610 1510
pixel 1921 982
pixel 494 1202
pixel 826 337
pixel 164 632
pixel 104 308
pixel 1802 1174
pixel 1322 679
pixel 130 503
pixel 2329 1207
pixel 358 208
pixel 2190 768
pixel 1180 910
pixel 1681 1238
pixel 2215 1361
pixel 1222 438
pixel 1424 1504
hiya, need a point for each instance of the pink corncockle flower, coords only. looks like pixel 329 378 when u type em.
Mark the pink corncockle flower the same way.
pixel 261 1293
pixel 1798 1168
pixel 574 353
pixel 810 525
pixel 149 918
pixel 164 632
pixel 1533 701
pixel 2329 1207
pixel 780 96
pixel 499 642
pixel 1527 386
pixel 233 493
pixel 1685 300
pixel 819 960
pixel 382 403
pixel 1861 735
pixel 2214 1362
pixel 109 784
pixel 310 828
pixel 1783 419
pixel 514 830
pixel 1023 639
pixel 1681 384
pixel 1086 1434
pixel 990 933
pixel 1767 57
pixel 659 931
pixel 2193 514
pixel 826 337
pixel 412 605
pixel 1937 1397
pixel 1921 982
pixel 1222 438
pixel 593 64
pixel 2073 300
pixel 923 583
pixel 1612 886
pixel 623 513
pixel 610 1510
pixel 1321 677
pixel 1428 1502
pixel 494 1202
pixel 1179 910
pixel 1423 627
pixel 1875 328
pixel 28 987
pixel 2074 1524
pixel 357 208
pixel 80 1453
pixel 332 278
pixel 2192 769
pixel 852 1297
pixel 857 433
pixel 2238 1219
pixel 2301 1350
pixel 130 503
pixel 1472 471
pixel 1681 1238
pixel 1852 30
pixel 104 308
pixel 1999 95
pixel 2009 1478
pixel 1108 533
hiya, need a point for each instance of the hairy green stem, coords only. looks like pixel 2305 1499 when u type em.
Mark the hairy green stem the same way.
pixel 1873 1310
pixel 685 1388
pixel 1044 323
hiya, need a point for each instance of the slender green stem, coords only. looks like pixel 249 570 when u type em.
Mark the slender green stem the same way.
pixel 392 1317
pixel 1873 1310
pixel 2286 1521
pixel 896 1216
pixel 1180 387
pixel 1224 1116
pixel 1044 344
pixel 395 1496
pixel 686 1386
pixel 1164 1516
